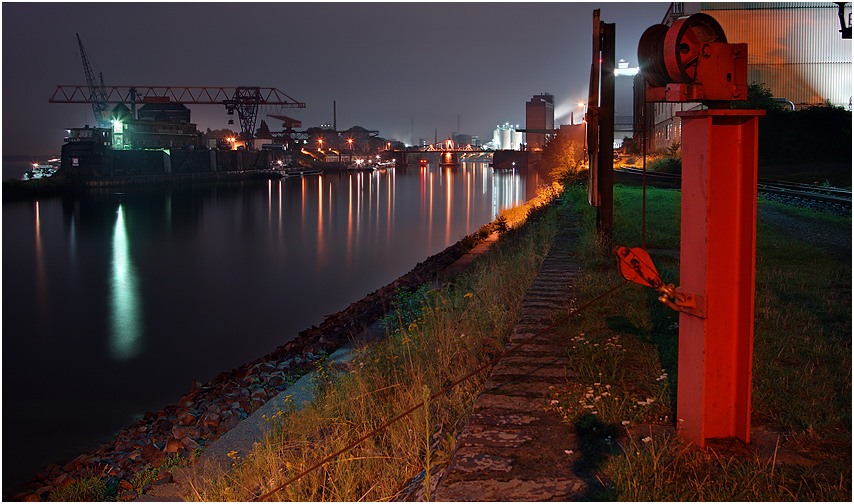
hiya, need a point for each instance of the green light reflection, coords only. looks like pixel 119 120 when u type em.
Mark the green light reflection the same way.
pixel 124 297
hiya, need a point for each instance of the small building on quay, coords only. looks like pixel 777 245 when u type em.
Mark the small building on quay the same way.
pixel 156 126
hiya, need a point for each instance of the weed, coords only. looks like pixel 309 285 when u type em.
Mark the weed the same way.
pixel 94 488
pixel 149 475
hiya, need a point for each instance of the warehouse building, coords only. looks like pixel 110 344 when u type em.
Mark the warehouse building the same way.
pixel 795 49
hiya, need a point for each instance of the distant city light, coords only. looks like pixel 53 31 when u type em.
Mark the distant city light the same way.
pixel 623 69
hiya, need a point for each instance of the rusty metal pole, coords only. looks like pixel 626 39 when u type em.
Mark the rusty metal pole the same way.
pixel 718 257
pixel 605 210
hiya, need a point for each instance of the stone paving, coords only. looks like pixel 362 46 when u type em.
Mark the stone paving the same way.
pixel 512 449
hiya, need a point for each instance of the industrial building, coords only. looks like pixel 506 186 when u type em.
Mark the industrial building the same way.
pixel 539 120
pixel 505 137
pixel 794 48
pixel 157 126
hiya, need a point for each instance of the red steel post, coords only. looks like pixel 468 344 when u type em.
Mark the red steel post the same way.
pixel 719 174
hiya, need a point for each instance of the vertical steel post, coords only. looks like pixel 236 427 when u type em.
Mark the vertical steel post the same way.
pixel 719 175
pixel 605 210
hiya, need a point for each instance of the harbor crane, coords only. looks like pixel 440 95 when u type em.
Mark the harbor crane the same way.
pixel 96 92
pixel 245 100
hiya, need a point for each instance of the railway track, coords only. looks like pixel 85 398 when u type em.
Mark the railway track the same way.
pixel 813 196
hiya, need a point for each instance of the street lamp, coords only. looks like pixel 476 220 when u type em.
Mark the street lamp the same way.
pixel 320 144
pixel 350 143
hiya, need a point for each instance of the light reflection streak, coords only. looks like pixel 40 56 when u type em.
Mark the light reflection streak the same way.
pixel 359 182
pixel 377 212
pixel 302 209
pixel 389 210
pixel 124 299
pixel 448 208
pixel 430 213
pixel 280 230
pixel 469 175
pixel 349 221
pixel 320 248
pixel 41 276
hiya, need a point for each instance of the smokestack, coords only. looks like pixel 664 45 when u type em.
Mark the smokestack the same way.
pixel 334 116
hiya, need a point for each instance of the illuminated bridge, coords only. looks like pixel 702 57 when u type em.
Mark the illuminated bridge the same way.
pixel 448 146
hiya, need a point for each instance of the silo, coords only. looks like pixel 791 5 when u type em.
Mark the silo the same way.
pixel 506 142
pixel 516 139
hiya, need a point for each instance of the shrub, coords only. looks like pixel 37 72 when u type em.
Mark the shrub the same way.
pixel 666 165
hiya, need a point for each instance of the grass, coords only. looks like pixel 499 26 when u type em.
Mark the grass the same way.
pixel 442 335
pixel 622 397
pixel 625 355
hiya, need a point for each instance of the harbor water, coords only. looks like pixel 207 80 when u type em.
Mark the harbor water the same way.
pixel 115 301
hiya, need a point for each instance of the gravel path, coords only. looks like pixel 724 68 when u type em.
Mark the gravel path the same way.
pixel 832 237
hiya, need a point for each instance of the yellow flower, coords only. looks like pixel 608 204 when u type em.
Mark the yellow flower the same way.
pixel 469 295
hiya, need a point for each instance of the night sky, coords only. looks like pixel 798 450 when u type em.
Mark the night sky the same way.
pixel 388 66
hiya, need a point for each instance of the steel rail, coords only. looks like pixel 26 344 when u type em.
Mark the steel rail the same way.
pixel 805 191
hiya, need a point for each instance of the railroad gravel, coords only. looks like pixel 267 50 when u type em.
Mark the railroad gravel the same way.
pixel 833 237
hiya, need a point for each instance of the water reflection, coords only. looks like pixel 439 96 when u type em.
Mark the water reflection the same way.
pixel 126 323
pixel 145 267
pixel 41 275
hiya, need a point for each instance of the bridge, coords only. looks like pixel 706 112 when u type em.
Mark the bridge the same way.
pixel 447 149
pixel 448 146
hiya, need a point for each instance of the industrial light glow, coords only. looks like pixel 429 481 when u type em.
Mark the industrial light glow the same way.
pixel 125 313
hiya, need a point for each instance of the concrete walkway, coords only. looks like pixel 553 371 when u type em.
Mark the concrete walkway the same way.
pixel 512 449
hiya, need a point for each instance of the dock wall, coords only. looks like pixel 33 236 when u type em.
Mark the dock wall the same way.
pixel 97 165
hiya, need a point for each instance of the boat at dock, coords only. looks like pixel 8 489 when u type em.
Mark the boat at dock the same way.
pixel 41 171
pixel 299 171
pixel 361 165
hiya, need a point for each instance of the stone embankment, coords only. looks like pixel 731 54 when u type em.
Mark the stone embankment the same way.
pixel 209 410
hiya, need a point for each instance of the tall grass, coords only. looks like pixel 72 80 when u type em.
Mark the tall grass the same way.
pixel 454 330
pixel 624 354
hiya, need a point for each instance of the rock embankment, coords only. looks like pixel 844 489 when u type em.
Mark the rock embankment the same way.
pixel 130 461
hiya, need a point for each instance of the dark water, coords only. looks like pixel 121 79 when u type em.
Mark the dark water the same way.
pixel 113 303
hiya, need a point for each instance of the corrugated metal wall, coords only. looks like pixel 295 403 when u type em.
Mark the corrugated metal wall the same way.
pixel 794 48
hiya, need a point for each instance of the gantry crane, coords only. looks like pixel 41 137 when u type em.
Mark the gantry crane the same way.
pixel 245 100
